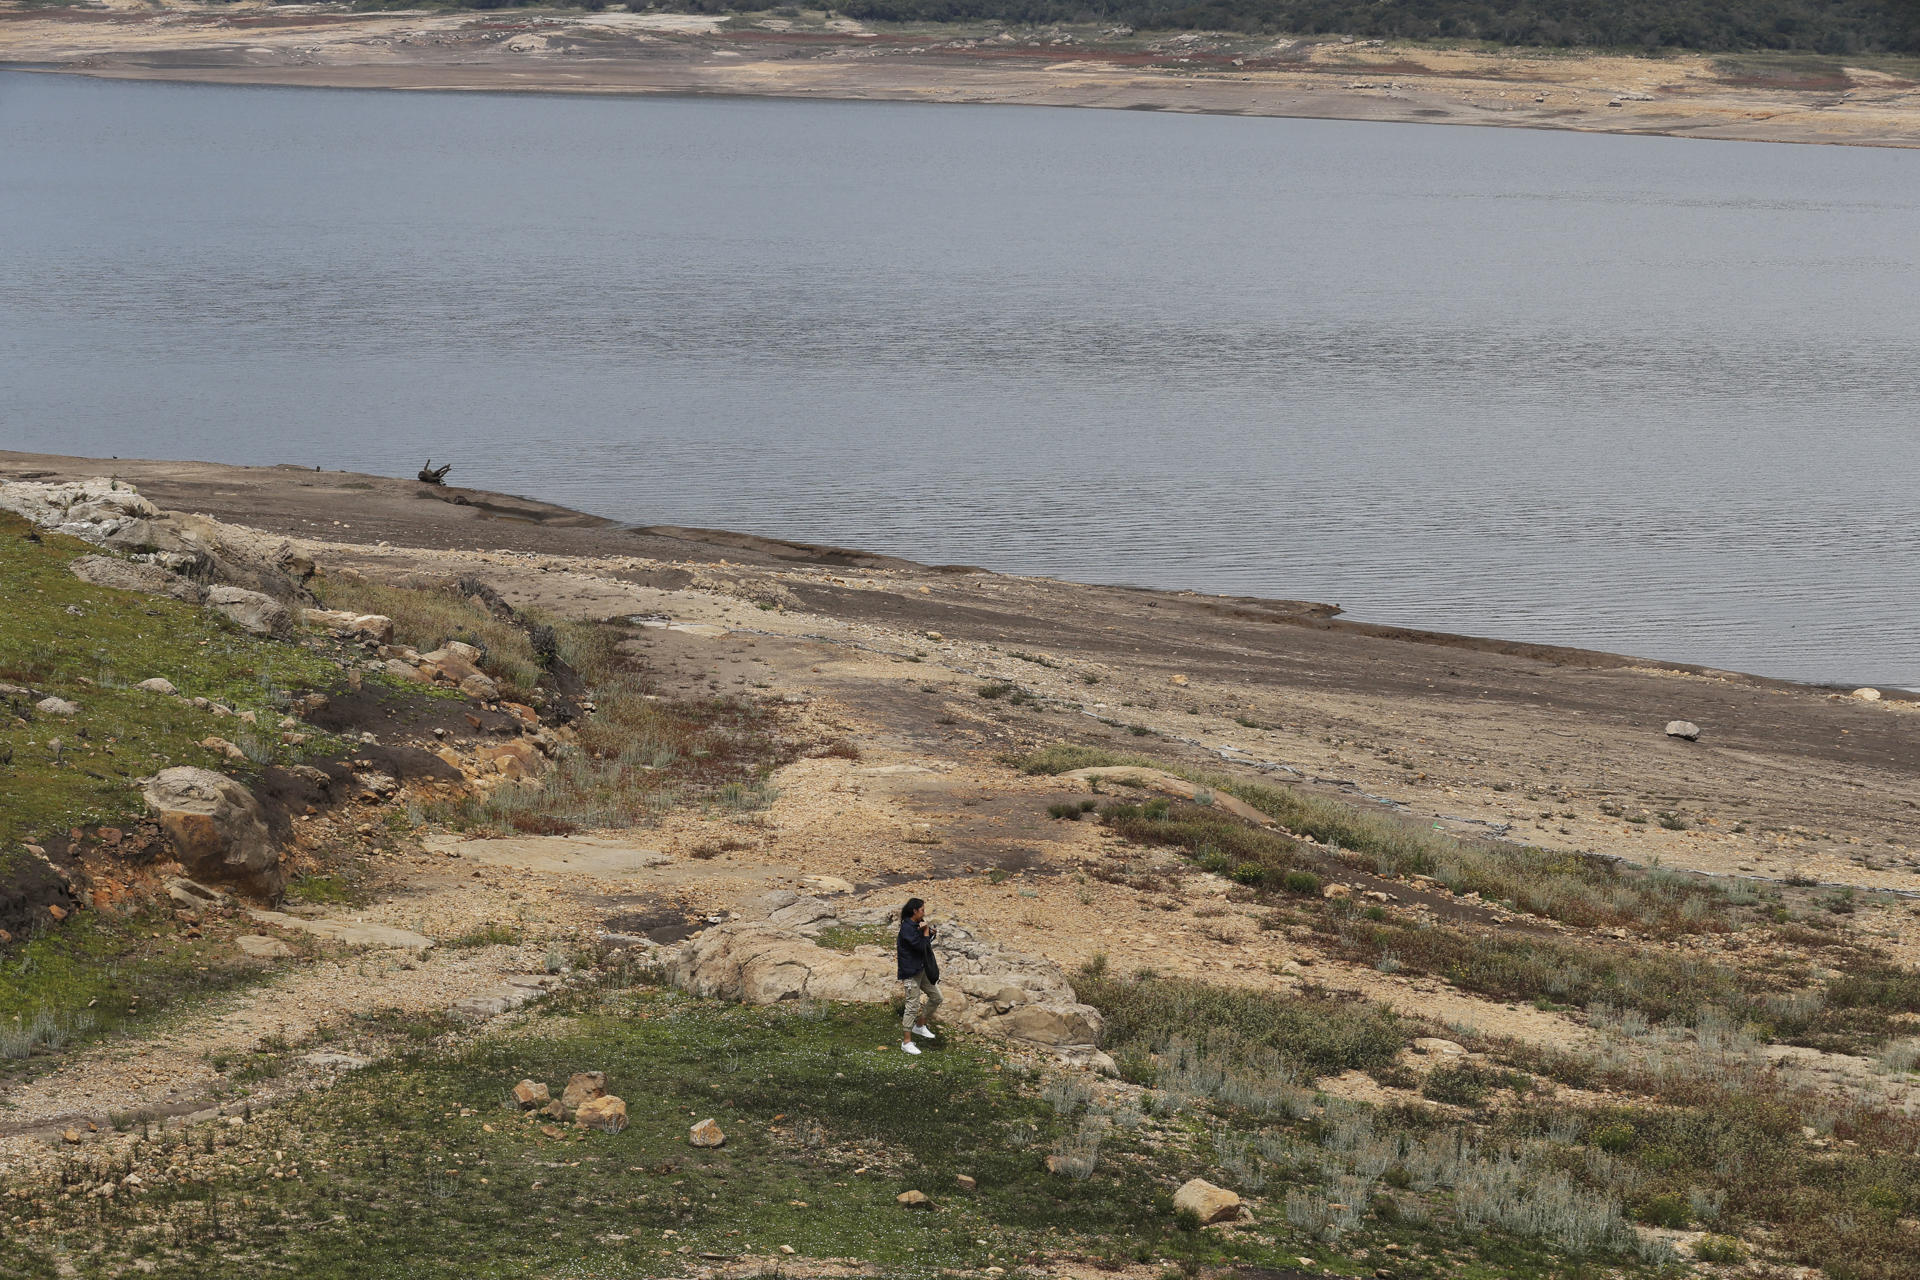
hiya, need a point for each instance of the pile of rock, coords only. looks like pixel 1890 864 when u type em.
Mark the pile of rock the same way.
pixel 173 553
pixel 1019 997
pixel 453 664
pixel 584 1102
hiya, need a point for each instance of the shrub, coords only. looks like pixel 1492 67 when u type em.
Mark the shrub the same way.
pixel 1662 1210
pixel 1614 1138
pixel 1303 883
pixel 1317 1035
pixel 1719 1249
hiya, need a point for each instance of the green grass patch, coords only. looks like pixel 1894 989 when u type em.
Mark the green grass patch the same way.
pixel 845 937
pixel 99 974
pixel 89 645
pixel 1318 1035
pixel 1574 888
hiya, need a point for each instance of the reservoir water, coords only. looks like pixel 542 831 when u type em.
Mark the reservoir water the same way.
pixel 1640 394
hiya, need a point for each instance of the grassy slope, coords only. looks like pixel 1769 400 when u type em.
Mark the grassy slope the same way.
pixel 90 645
pixel 827 1123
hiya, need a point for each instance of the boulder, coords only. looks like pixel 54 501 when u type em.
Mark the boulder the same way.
pixel 914 1200
pixel 1867 695
pixel 480 687
pixel 261 947
pixel 125 575
pixel 606 1113
pixel 583 1087
pixel 366 626
pixel 530 1095
pixel 56 707
pixel 706 1134
pixel 1683 729
pixel 253 611
pixel 1053 1026
pixel 449 664
pixel 964 1181
pixel 216 827
pixel 157 685
pixel 1206 1202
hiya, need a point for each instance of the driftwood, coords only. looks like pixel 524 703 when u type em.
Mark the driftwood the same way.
pixel 431 474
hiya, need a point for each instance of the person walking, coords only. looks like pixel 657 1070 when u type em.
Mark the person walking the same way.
pixel 919 972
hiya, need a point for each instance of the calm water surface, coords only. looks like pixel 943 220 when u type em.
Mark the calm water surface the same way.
pixel 1633 393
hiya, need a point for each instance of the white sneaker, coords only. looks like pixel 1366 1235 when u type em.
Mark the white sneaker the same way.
pixel 925 1033
pixel 910 1047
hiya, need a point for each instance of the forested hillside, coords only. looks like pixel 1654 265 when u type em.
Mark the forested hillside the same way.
pixel 1821 26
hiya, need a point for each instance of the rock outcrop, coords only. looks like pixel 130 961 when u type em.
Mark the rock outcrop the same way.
pixel 1016 996
pixel 112 514
pixel 217 829
pixel 129 575
pixel 253 611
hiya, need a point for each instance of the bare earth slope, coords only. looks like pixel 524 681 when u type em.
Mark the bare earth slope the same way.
pixel 1862 101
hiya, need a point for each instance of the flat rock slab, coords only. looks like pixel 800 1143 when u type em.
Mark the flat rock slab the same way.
pixel 353 933
pixel 557 855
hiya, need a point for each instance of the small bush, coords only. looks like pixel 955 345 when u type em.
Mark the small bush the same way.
pixel 1304 884
pixel 1662 1210
pixel 1614 1138
pixel 1719 1249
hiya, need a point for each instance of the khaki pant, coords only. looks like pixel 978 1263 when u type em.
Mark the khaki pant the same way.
pixel 918 988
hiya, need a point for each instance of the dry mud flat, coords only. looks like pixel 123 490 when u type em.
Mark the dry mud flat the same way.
pixel 1782 100
pixel 917 687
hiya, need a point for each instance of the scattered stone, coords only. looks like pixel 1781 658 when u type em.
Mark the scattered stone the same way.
pixel 1179 680
pixel 1336 891
pixel 253 611
pixel 606 1113
pixel 71 1135
pixel 914 1200
pixel 157 685
pixel 706 1134
pixel 583 1087
pixel 1206 1201
pixel 555 1108
pixel 56 707
pixel 531 1095
pixel 261 947
pixel 225 748
pixel 1683 729
pixel 787 1249
pixel 216 827
pixel 964 1181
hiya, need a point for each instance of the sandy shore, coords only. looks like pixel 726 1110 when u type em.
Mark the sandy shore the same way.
pixel 1772 99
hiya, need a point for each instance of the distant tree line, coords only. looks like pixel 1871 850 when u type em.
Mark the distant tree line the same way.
pixel 1812 26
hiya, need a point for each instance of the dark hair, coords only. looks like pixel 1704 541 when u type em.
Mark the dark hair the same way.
pixel 913 905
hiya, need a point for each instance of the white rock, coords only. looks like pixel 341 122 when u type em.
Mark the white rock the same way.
pixel 157 685
pixel 1867 695
pixel 1683 729
pixel 56 707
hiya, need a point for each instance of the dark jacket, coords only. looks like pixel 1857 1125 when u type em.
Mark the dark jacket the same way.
pixel 915 952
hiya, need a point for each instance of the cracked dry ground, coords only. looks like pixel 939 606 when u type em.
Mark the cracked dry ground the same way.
pixel 1560 748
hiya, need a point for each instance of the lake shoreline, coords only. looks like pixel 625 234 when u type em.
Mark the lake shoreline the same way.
pixel 685 55
pixel 294 501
